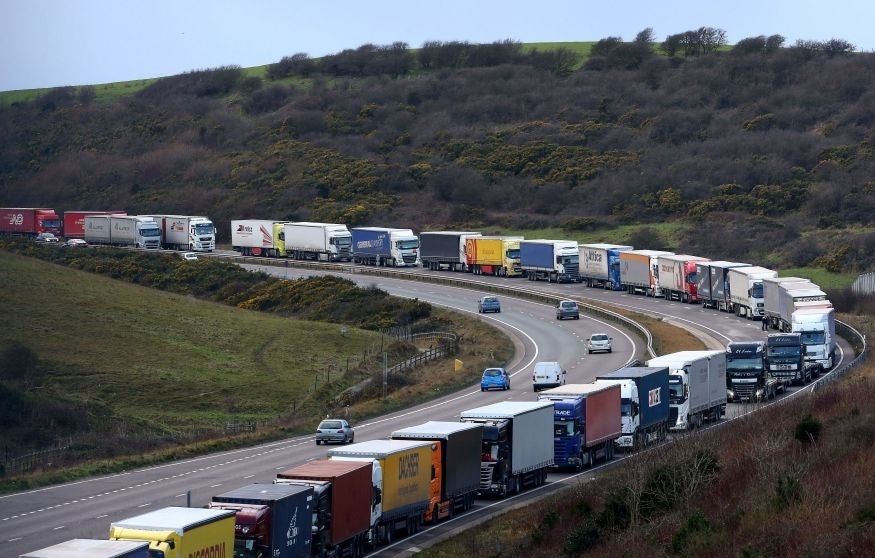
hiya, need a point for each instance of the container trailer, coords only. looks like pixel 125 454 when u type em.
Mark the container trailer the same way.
pixel 330 242
pixel 346 503
pixel 586 423
pixel 600 265
pixel 554 261
pixel 644 399
pixel 384 246
pixel 677 277
pixel 180 532
pixel 406 482
pixel 444 249
pixel 186 232
pixel 29 221
pixel 517 445
pixel 639 271
pixel 493 255
pixel 697 387
pixel 455 462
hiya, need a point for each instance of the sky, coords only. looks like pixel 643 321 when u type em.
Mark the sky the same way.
pixel 51 43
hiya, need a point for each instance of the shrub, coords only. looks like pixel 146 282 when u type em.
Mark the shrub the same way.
pixel 582 538
pixel 808 430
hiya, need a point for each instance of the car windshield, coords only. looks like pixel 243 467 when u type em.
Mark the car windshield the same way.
pixel 598 337
pixel 490 300
pixel 568 305
pixel 330 424
pixel 492 372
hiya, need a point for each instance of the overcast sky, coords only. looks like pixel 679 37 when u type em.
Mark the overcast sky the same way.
pixel 49 43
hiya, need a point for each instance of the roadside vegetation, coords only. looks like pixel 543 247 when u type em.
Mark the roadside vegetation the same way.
pixel 795 479
pixel 212 357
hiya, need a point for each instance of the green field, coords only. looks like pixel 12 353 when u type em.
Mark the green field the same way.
pixel 165 362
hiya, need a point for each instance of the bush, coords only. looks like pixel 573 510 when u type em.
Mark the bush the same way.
pixel 808 430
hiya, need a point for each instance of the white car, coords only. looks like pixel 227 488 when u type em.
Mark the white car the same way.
pixel 46 237
pixel 599 342
pixel 188 256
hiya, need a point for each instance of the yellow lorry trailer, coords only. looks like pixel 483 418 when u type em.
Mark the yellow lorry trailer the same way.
pixel 180 532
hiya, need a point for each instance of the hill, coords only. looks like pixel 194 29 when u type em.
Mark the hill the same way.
pixel 759 153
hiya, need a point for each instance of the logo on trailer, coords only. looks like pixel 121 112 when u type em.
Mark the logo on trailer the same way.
pixel 244 228
pixel 593 256
pixel 292 531
pixel 213 551
pixel 16 219
pixel 266 237
pixel 408 466
pixel 653 397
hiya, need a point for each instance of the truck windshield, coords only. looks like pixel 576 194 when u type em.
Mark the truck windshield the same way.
pixel 757 290
pixel 246 548
pixel 150 232
pixel 626 407
pixel 342 241
pixel 563 428
pixel 693 278
pixel 565 260
pixel 785 352
pixel 204 228
pixel 676 392
pixel 743 364
pixel 513 254
pixel 408 244
pixel 813 338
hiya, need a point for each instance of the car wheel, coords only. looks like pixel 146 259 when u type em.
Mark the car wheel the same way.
pixel 588 352
pixel 577 317
pixel 482 389
pixel 318 442
pixel 609 350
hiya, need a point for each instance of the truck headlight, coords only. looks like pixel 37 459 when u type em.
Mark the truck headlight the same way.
pixel 730 394
pixel 760 393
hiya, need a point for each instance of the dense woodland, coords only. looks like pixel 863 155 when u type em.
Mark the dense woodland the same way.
pixel 761 151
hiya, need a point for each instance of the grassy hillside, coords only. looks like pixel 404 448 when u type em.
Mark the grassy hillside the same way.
pixel 166 361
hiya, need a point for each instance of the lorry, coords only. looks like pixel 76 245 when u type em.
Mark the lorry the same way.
pixel 600 265
pixel 517 446
pixel 91 548
pixel 180 532
pixel 697 387
pixel 258 237
pixel 677 277
pixel 644 404
pixel 786 358
pixel 772 295
pixel 405 488
pixel 29 221
pixel 384 247
pixel 270 520
pixel 793 297
pixel 444 249
pixel 74 222
pixel 747 373
pixel 344 503
pixel 639 271
pixel 186 232
pixel 586 422
pixel 713 283
pixel 493 255
pixel 817 326
pixel 746 290
pixel 123 230
pixel 554 261
pixel 455 462
pixel 306 240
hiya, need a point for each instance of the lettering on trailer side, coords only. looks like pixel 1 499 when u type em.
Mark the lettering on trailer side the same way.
pixel 375 243
pixel 16 219
pixel 408 466
pixel 213 551
pixel 126 228
pixel 292 531
pixel 244 228
pixel 593 256
pixel 654 397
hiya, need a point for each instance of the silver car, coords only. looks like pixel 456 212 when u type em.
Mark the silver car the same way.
pixel 599 342
pixel 334 430
pixel 567 309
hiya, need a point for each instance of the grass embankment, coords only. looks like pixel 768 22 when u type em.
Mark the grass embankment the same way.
pixel 136 375
pixel 792 480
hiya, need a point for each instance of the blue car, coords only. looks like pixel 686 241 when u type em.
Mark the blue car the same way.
pixel 488 304
pixel 495 378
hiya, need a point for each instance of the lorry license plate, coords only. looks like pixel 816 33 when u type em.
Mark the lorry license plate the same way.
pixel 784 367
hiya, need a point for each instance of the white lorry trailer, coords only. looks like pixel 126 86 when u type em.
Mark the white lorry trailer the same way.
pixel 186 232
pixel 123 230
pixel 600 265
pixel 258 237
pixel 517 447
pixel 746 290
pixel 792 297
pixel 818 329
pixel 772 294
pixel 639 271
pixel 330 242
pixel 697 387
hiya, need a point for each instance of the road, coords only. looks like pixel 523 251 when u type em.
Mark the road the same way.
pixel 84 509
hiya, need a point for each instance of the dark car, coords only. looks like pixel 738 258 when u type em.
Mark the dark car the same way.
pixel 334 430
pixel 488 304
pixel 495 378
pixel 567 309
